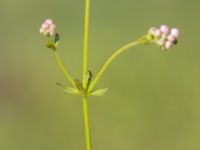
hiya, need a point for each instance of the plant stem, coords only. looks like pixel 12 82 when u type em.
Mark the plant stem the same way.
pixel 66 73
pixel 85 50
pixel 85 69
pixel 109 61
pixel 87 123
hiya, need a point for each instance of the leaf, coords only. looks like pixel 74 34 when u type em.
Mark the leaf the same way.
pixel 50 45
pixel 99 92
pixel 89 79
pixel 72 90
pixel 79 86
pixel 56 39
pixel 69 90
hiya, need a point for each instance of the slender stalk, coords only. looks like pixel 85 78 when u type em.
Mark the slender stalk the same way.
pixel 87 124
pixel 109 61
pixel 85 50
pixel 66 73
pixel 85 69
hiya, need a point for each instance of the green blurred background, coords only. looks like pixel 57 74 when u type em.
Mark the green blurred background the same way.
pixel 154 97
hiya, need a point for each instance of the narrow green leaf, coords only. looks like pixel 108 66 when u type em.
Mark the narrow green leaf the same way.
pixel 69 90
pixel 79 86
pixel 56 39
pixel 72 91
pixel 89 79
pixel 99 92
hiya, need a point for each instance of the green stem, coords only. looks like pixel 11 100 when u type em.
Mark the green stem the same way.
pixel 66 73
pixel 109 61
pixel 85 50
pixel 85 69
pixel 87 124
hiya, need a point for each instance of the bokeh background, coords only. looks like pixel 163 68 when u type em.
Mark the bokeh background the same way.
pixel 154 97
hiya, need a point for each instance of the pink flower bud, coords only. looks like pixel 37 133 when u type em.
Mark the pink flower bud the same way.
pixel 45 25
pixel 157 33
pixel 161 42
pixel 164 36
pixel 168 45
pixel 48 28
pixel 49 21
pixel 164 29
pixel 175 32
pixel 171 38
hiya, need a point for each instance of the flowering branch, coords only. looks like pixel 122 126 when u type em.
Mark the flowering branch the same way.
pixel 162 36
pixel 48 28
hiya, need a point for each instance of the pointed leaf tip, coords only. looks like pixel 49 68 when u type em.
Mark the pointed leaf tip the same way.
pixel 99 92
pixel 69 90
pixel 89 79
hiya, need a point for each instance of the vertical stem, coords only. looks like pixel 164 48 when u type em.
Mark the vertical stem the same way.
pixel 87 124
pixel 85 69
pixel 85 50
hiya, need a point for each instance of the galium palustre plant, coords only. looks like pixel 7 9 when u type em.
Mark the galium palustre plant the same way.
pixel 162 36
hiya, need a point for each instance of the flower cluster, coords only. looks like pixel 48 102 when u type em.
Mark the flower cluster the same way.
pixel 164 36
pixel 48 28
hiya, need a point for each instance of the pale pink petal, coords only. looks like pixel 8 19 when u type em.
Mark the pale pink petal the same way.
pixel 175 32
pixel 168 45
pixel 46 32
pixel 171 38
pixel 41 30
pixel 164 29
pixel 157 33
pixel 45 25
pixel 52 29
pixel 49 21
pixel 161 42
pixel 48 27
